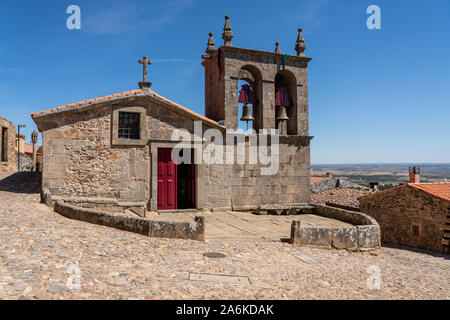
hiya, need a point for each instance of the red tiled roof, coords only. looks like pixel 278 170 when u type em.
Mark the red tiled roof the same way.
pixel 90 101
pixel 440 190
pixel 29 148
pixel 125 94
pixel 315 179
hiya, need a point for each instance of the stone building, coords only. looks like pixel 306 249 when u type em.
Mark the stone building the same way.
pixel 120 146
pixel 7 145
pixel 28 154
pixel 414 214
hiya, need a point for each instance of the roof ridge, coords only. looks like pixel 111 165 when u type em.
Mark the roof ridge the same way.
pixel 120 95
pixel 88 101
pixel 428 183
pixel 441 194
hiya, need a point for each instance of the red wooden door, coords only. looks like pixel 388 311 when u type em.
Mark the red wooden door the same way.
pixel 167 180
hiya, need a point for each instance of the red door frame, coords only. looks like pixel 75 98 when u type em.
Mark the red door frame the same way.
pixel 167 180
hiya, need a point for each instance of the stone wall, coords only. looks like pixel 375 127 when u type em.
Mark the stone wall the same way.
pixel 26 161
pixel 408 216
pixel 80 161
pixel 7 133
pixel 244 187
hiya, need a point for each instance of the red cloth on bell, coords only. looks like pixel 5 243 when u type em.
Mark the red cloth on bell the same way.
pixel 282 98
pixel 246 95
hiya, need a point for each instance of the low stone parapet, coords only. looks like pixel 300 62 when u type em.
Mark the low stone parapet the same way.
pixel 194 230
pixel 363 235
pixel 105 204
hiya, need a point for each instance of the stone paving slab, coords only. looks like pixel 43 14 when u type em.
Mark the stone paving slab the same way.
pixel 219 278
pixel 232 226
pixel 42 253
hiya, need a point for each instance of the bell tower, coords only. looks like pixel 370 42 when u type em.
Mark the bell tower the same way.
pixel 278 83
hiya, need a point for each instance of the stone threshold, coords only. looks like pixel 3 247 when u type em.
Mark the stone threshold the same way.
pixel 179 211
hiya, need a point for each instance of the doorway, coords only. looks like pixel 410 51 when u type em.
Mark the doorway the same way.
pixel 176 182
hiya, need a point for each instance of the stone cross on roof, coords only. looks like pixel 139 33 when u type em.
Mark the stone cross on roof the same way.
pixel 145 62
pixel 145 85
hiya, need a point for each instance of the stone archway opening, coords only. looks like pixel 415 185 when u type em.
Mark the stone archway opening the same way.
pixel 286 80
pixel 251 76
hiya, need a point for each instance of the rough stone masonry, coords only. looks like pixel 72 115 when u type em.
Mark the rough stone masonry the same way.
pixel 7 146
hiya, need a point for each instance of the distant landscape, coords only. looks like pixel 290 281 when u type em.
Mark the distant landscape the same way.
pixel 384 174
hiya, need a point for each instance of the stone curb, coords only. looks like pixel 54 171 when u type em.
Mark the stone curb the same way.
pixel 364 235
pixel 152 228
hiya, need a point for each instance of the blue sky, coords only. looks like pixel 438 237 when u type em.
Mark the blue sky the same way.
pixel 375 95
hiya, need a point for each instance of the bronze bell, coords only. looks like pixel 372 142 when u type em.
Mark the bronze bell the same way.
pixel 247 113
pixel 281 113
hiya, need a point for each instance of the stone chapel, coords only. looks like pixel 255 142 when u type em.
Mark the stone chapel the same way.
pixel 117 149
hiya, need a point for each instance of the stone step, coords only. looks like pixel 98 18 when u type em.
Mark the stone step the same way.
pixel 286 207
pixel 286 210
pixel 85 200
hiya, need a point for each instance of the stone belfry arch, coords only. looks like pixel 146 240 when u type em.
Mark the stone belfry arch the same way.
pixel 226 65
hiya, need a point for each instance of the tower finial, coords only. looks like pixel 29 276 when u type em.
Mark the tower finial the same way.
pixel 277 47
pixel 227 34
pixel 300 44
pixel 210 47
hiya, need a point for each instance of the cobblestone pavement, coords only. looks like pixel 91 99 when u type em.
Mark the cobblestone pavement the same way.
pixel 46 256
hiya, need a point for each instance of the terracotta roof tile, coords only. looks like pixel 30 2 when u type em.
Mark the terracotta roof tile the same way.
pixel 315 179
pixel 122 94
pixel 440 190
pixel 437 189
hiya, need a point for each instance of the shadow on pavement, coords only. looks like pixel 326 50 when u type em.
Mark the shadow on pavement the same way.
pixel 418 250
pixel 22 182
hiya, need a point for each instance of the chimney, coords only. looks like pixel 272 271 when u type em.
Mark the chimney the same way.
pixel 373 186
pixel 414 174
